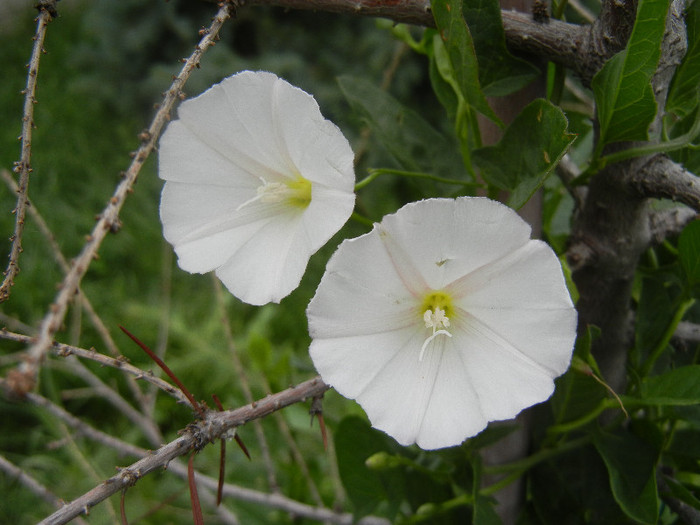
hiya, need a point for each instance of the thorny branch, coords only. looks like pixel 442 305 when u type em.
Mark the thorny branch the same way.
pixel 22 379
pixel 570 45
pixel 81 428
pixel 23 167
pixel 216 425
pixel 95 319
pixel 576 47
pixel 64 350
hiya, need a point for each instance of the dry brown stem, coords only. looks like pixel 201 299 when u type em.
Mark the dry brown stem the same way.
pixel 197 435
pixel 24 377
pixel 63 350
pixel 23 167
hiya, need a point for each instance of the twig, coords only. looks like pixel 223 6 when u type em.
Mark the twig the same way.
pixel 668 223
pixel 195 436
pixel 23 167
pixel 147 426
pixel 567 172
pixel 662 178
pixel 63 350
pixel 278 501
pixel 294 449
pixel 402 11
pixel 245 386
pixel 121 447
pixel 557 41
pixel 688 331
pixel 687 514
pixel 22 379
pixel 95 319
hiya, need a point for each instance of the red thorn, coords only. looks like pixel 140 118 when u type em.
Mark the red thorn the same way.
pixel 242 445
pixel 157 360
pixel 222 458
pixel 316 410
pixel 122 509
pixel 194 497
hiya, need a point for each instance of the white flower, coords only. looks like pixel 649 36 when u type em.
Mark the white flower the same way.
pixel 444 317
pixel 256 182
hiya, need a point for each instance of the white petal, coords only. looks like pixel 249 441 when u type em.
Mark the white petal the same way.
pixel 360 292
pixel 184 157
pixel 351 363
pixel 523 297
pixel 505 380
pixel 453 412
pixel 270 265
pixel 238 136
pixel 429 402
pixel 448 238
pixel 327 212
pixel 512 329
pixel 327 159
pixel 236 118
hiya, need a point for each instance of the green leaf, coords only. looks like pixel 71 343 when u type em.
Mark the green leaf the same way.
pixel 355 442
pixel 411 140
pixel 631 464
pixel 500 73
pixel 689 252
pixel 624 97
pixel 654 312
pixel 527 153
pixel 680 386
pixel 682 493
pixel 684 94
pixel 578 394
pixel 484 512
pixel 459 65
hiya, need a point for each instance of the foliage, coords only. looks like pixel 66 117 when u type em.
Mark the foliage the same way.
pixel 412 101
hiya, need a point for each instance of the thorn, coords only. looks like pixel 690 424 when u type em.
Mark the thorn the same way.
pixel 316 410
pixel 194 497
pixel 167 370
pixel 242 446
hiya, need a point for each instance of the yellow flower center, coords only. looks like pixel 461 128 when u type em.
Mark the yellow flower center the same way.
pixel 300 192
pixel 437 309
pixel 296 192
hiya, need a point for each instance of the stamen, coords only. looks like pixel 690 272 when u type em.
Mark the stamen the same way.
pixel 272 192
pixel 298 192
pixel 437 321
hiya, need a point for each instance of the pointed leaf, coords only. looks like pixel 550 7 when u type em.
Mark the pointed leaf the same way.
pixel 527 153
pixel 622 88
pixel 680 386
pixel 410 139
pixel 682 493
pixel 460 51
pixel 631 464
pixel 355 442
pixel 684 94
pixel 500 73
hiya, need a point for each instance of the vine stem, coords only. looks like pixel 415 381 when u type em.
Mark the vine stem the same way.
pixel 23 167
pixel 22 379
pixel 666 337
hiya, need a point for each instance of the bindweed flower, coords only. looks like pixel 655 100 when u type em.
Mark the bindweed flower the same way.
pixel 444 317
pixel 256 182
